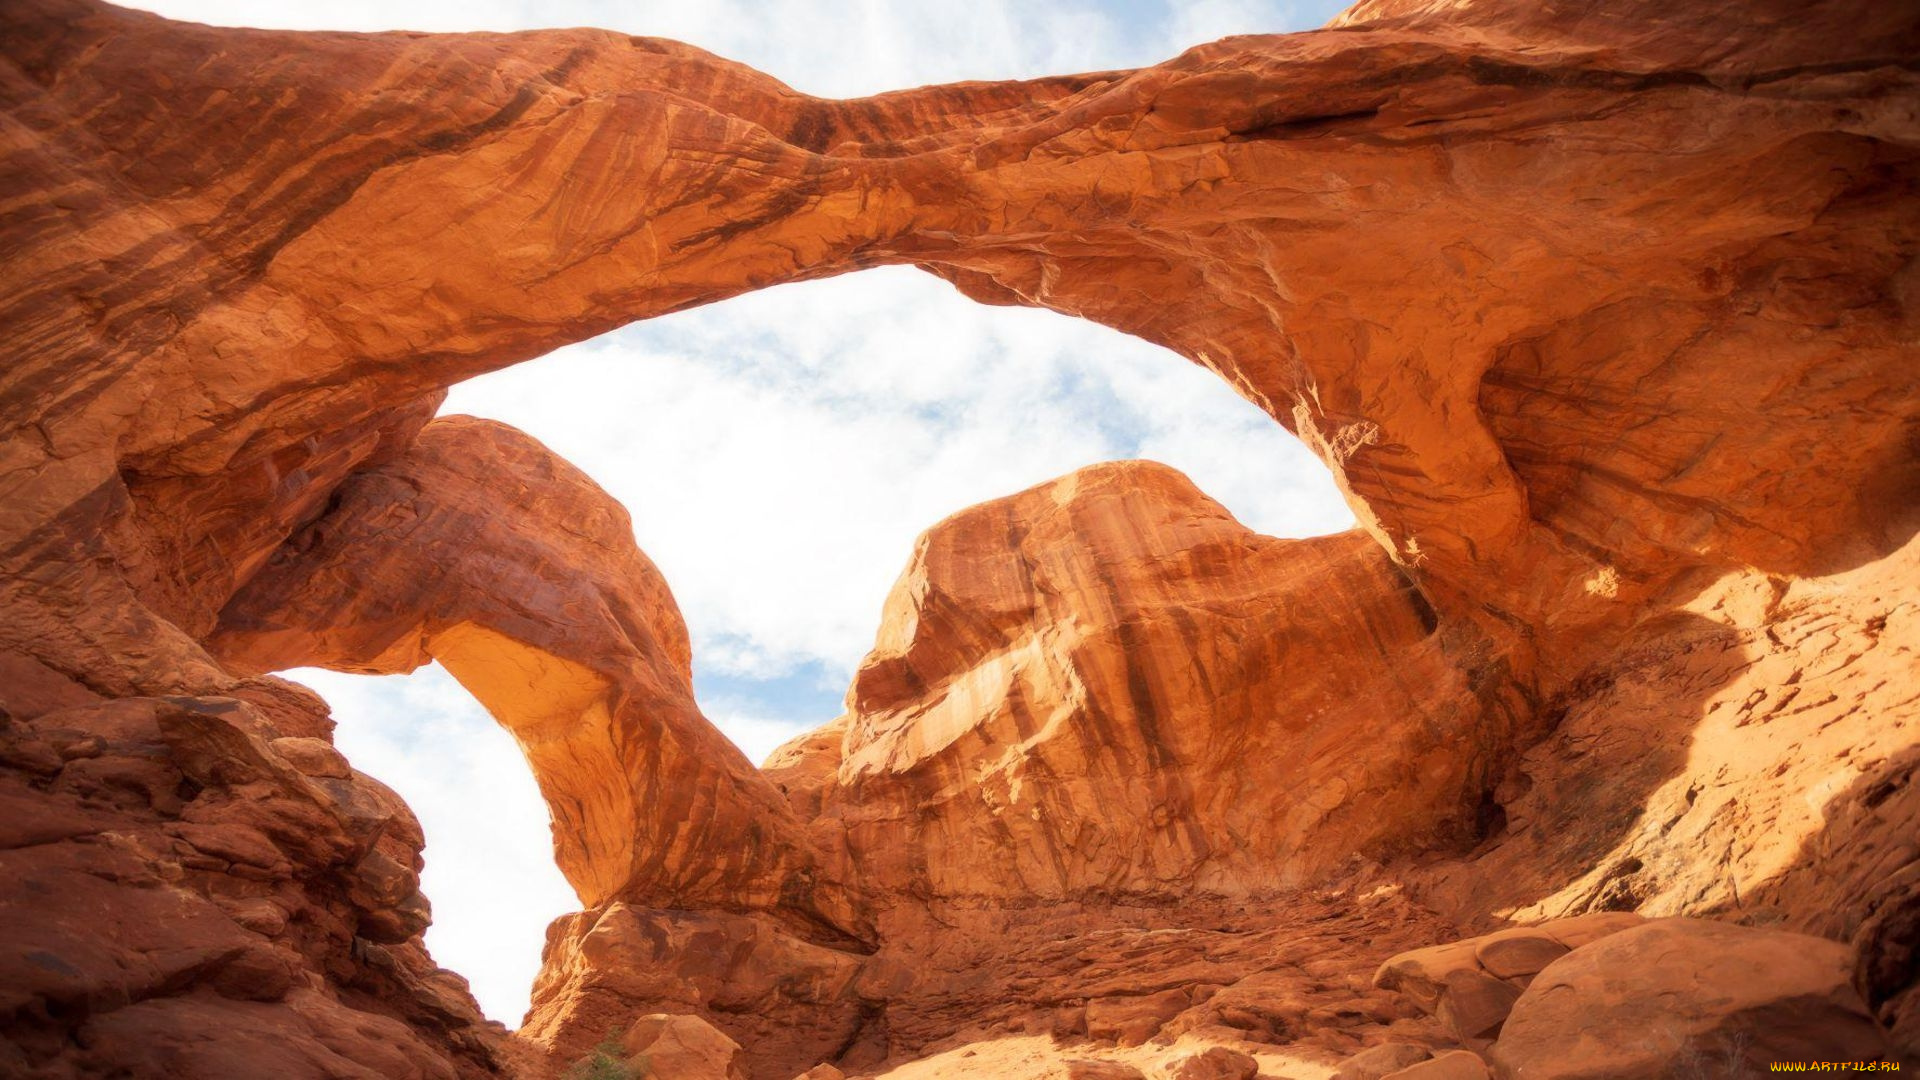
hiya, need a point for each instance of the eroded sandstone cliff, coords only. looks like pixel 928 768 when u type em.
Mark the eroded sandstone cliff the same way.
pixel 1067 682
pixel 1603 315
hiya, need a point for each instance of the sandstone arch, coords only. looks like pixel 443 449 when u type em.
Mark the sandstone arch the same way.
pixel 493 213
pixel 482 550
pixel 1586 309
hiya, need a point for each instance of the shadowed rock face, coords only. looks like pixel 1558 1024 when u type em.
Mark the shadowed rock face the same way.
pixel 555 620
pixel 1603 317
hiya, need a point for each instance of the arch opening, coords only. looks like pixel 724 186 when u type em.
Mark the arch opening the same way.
pixel 778 453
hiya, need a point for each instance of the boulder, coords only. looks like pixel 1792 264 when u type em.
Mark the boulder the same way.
pixel 1452 1065
pixel 1422 973
pixel 1213 1063
pixel 683 1048
pixel 1676 999
pixel 1378 1061
pixel 1518 953
pixel 1471 984
pixel 1474 1004
pixel 1584 929
pixel 1133 1020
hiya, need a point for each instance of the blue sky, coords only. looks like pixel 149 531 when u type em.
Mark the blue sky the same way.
pixel 834 48
pixel 780 451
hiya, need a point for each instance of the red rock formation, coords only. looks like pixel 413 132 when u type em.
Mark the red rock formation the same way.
pixel 200 886
pixel 1604 317
pixel 791 1001
pixel 480 549
pixel 1065 685
pixel 1067 681
pixel 1770 722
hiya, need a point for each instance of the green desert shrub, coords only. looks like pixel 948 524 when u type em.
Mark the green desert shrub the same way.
pixel 604 1062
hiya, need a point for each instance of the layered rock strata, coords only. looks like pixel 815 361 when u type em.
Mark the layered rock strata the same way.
pixel 199 885
pixel 1604 318
pixel 1066 682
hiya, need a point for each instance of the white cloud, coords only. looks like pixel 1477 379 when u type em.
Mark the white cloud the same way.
pixel 490 871
pixel 833 48
pixel 751 729
pixel 1197 21
pixel 779 452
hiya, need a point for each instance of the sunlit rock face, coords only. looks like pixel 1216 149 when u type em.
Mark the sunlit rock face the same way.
pixel 1068 683
pixel 1604 318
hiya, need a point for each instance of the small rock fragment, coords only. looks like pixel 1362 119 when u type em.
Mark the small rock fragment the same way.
pixel 1378 1061
pixel 1475 1004
pixel 314 757
pixel 1213 1063
pixel 1452 1065
pixel 1094 1069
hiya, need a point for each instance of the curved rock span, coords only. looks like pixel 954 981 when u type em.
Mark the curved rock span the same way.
pixel 562 628
pixel 1603 316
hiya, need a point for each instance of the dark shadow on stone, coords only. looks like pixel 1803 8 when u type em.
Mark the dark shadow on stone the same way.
pixel 1858 881
pixel 1569 803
